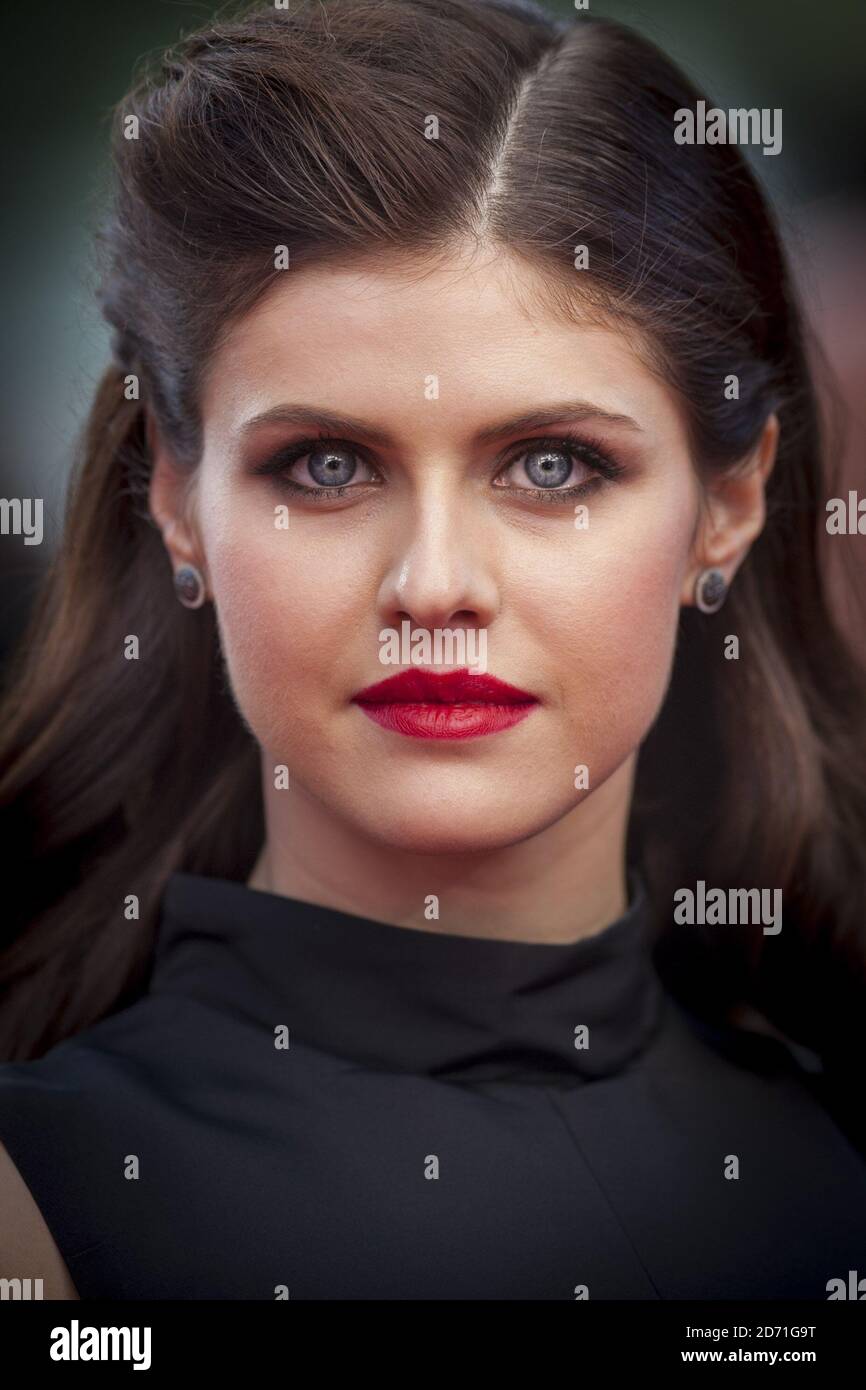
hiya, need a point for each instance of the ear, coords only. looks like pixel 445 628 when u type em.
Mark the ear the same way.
pixel 733 511
pixel 171 504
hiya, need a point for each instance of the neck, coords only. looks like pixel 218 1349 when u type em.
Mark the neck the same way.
pixel 566 882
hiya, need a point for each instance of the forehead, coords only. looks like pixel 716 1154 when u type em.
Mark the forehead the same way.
pixel 370 341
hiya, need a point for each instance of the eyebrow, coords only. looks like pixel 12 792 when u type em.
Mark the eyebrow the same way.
pixel 336 423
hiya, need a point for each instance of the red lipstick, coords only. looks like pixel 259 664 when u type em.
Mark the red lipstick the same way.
pixel 447 704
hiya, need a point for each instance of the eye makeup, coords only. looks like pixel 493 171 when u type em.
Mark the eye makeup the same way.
pixel 580 449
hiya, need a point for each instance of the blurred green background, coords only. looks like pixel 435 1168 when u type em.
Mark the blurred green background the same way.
pixel 67 63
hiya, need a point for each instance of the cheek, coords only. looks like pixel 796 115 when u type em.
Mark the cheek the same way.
pixel 606 618
pixel 288 604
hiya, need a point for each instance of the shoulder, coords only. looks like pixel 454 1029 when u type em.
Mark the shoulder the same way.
pixel 27 1248
pixel 58 1114
pixel 759 1074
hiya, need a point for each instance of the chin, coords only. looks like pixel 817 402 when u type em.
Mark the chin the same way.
pixel 444 839
pixel 459 827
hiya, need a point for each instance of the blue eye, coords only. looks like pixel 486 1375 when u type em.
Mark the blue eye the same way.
pixel 549 463
pixel 548 467
pixel 331 464
pixel 332 467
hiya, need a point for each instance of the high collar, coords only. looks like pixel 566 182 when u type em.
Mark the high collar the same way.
pixel 413 999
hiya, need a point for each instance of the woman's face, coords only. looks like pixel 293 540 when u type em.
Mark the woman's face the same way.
pixel 440 508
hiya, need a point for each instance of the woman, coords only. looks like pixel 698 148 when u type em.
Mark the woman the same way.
pixel 434 745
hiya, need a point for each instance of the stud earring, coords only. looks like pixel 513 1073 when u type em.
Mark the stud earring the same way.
pixel 710 590
pixel 189 586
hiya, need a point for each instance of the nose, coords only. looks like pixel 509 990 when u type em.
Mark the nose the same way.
pixel 440 575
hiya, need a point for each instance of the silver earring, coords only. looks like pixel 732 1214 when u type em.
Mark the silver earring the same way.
pixel 710 590
pixel 189 586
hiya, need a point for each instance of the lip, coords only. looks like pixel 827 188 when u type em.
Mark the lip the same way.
pixel 445 705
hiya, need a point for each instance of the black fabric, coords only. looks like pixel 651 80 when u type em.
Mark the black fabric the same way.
pixel 431 1130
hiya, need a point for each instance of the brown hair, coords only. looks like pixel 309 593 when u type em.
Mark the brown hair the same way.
pixel 306 128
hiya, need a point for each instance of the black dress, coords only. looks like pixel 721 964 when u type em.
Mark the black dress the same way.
pixel 311 1104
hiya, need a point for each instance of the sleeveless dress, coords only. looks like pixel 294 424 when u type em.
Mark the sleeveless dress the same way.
pixel 310 1104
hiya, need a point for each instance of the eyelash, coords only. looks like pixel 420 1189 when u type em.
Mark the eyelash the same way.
pixel 580 448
